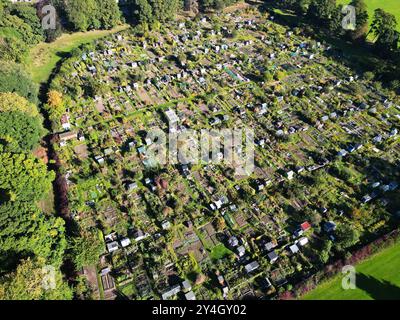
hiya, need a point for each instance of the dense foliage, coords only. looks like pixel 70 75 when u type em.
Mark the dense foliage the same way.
pixel 20 124
pixel 327 16
pixel 216 4
pixel 384 30
pixel 325 13
pixel 150 11
pixel 20 132
pixel 27 283
pixel 25 230
pixel 19 28
pixel 86 249
pixel 14 79
pixel 92 14
pixel 24 178
pixel 28 14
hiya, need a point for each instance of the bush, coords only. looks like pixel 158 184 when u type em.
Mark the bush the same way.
pixel 369 75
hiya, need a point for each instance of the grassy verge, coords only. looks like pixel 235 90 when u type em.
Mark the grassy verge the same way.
pixel 377 278
pixel 44 57
pixel 219 252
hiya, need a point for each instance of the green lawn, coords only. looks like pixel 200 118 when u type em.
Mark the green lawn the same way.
pixel 377 278
pixel 391 6
pixel 219 252
pixel 44 57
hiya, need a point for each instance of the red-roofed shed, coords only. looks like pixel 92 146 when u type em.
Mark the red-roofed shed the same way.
pixel 305 226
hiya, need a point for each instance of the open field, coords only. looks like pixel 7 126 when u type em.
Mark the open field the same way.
pixel 377 278
pixel 44 57
pixel 391 6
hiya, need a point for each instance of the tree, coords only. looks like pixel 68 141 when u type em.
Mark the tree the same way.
pixel 86 249
pixel 384 29
pixel 151 11
pixel 2 5
pixel 25 229
pixel 315 218
pixel 267 76
pixel 335 21
pixel 13 102
pixel 23 177
pixel 20 132
pixel 54 99
pixel 20 29
pixel 143 11
pixel 347 236
pixel 368 75
pixel 81 14
pixel 324 253
pixel 13 49
pixel 395 85
pixel 322 11
pixel 29 15
pixel 13 78
pixel 280 75
pixel 220 224
pixel 55 105
pixel 108 13
pixel 302 6
pixel 207 5
pixel 20 124
pixel 34 280
pixel 92 14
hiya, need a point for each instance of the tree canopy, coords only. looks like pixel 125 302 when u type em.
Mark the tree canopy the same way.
pixel 13 102
pixel 86 249
pixel 34 280
pixel 92 14
pixel 14 79
pixel 23 177
pixel 25 229
pixel 28 14
pixel 384 29
pixel 151 11
pixel 19 131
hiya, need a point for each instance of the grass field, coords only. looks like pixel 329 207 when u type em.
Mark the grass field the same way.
pixel 391 6
pixel 219 252
pixel 377 278
pixel 44 57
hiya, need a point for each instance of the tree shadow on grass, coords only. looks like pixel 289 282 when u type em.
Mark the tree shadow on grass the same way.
pixel 378 289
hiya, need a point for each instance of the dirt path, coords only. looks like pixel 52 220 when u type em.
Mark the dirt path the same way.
pixel 91 276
